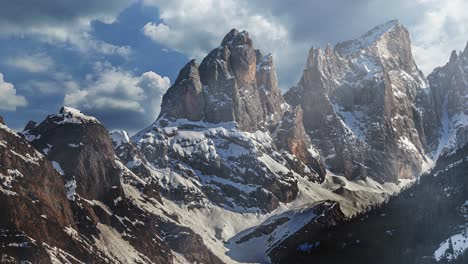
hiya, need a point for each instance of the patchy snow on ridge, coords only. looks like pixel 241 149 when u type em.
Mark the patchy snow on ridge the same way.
pixel 120 137
pixel 58 168
pixel 71 115
pixel 369 38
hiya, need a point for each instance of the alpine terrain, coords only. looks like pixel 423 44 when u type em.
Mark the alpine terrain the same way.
pixel 365 160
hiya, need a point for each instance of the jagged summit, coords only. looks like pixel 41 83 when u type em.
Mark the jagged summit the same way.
pixel 72 115
pixel 446 105
pixel 363 92
pixel 229 85
pixel 371 37
pixel 236 38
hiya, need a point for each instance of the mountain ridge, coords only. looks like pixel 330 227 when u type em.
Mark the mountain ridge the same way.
pixel 230 164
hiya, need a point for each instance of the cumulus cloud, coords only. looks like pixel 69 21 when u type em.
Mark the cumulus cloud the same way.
pixel 58 21
pixel 441 29
pixel 9 101
pixel 196 27
pixel 35 63
pixel 115 92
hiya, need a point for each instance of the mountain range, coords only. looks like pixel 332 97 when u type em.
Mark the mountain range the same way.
pixel 363 161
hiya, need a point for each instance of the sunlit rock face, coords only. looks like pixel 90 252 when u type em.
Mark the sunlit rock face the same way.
pixel 358 102
pixel 227 135
pixel 234 82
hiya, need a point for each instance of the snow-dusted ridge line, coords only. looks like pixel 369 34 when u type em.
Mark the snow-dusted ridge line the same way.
pixel 71 115
pixel 368 39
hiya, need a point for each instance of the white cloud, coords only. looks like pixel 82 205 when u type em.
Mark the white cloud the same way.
pixel 443 27
pixel 9 101
pixel 35 63
pixel 61 22
pixel 119 91
pixel 196 27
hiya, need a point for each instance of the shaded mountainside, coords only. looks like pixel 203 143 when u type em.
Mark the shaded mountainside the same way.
pixel 427 223
pixel 445 105
pixel 53 211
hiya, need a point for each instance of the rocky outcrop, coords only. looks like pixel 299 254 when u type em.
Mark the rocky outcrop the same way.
pixel 113 227
pixel 445 105
pixel 229 154
pixel 290 135
pixel 83 150
pixel 32 193
pixel 358 101
pixel 271 98
pixel 185 99
pixel 233 83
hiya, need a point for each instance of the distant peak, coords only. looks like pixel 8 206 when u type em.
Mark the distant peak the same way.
pixel 370 37
pixel 453 56
pixel 72 115
pixel 187 71
pixel 466 50
pixel 236 37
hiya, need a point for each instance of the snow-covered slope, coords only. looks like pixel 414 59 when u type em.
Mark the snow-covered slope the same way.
pixel 445 105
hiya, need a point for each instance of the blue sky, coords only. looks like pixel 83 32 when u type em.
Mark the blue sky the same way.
pixel 115 59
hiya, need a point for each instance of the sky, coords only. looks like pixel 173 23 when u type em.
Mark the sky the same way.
pixel 114 59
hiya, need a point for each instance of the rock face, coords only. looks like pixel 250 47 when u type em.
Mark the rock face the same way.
pixel 32 196
pixel 225 124
pixel 358 101
pixel 445 105
pixel 185 99
pixel 82 147
pixel 233 83
pixel 94 203
pixel 290 135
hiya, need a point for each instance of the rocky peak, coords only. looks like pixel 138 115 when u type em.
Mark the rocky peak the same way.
pixel 372 37
pixel 82 150
pixel 185 98
pixel 32 194
pixel 360 91
pixel 446 104
pixel 236 38
pixel 229 85
pixel 1 120
pixel 271 98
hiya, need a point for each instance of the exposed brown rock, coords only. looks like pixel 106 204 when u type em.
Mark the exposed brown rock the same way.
pixel 233 83
pixel 84 151
pixel 185 98
pixel 290 135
